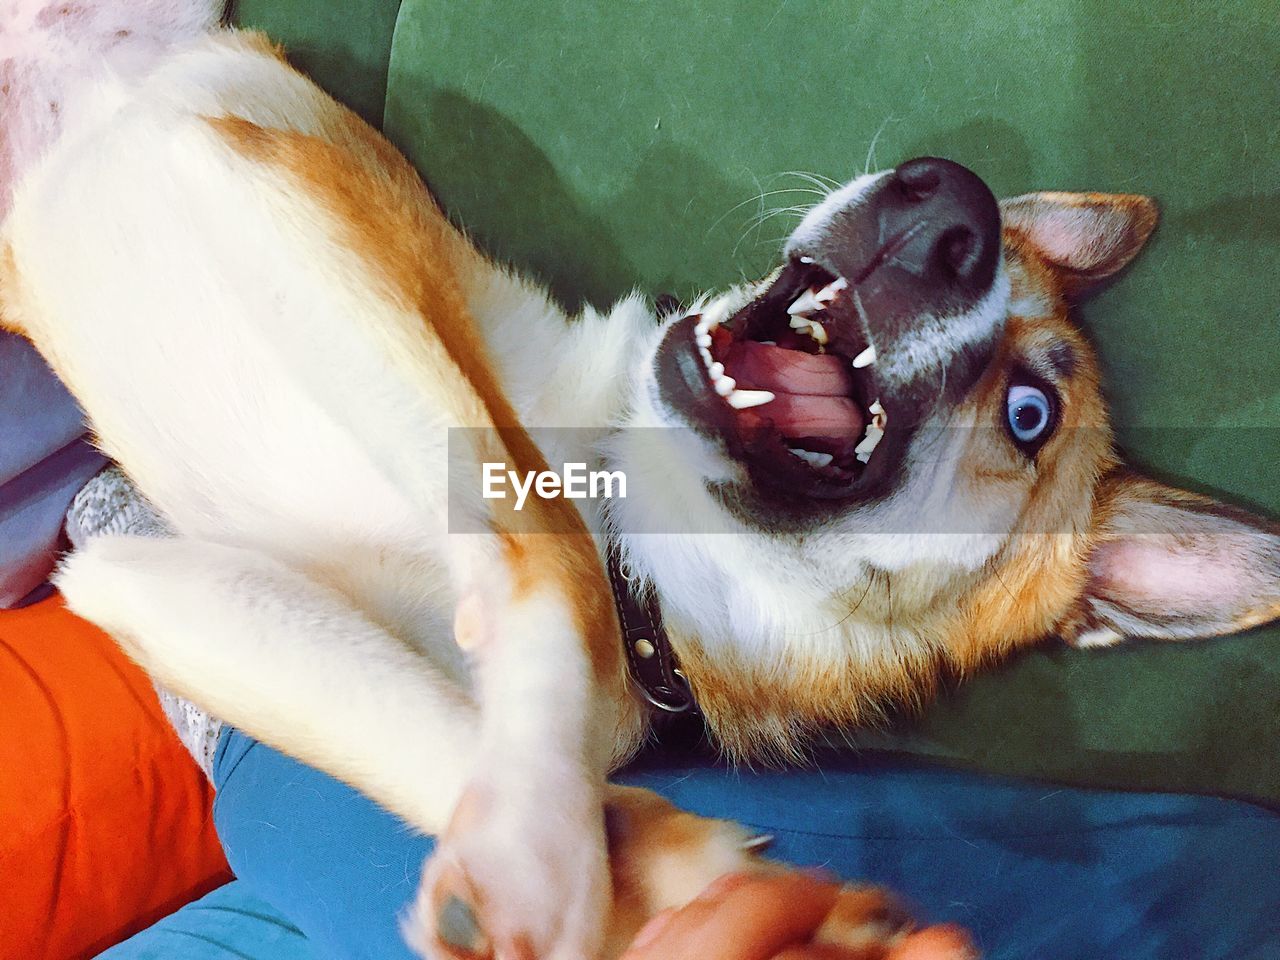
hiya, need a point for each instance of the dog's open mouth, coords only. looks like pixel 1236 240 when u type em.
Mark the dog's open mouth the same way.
pixel 790 381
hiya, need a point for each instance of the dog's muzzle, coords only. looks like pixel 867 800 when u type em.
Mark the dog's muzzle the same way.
pixel 889 305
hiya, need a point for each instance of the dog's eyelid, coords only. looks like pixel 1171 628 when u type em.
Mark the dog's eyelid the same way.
pixel 1054 363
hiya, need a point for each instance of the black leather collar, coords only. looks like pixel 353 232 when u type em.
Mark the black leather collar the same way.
pixel 654 667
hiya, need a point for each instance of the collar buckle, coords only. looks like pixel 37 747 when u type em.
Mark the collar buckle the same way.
pixel 651 661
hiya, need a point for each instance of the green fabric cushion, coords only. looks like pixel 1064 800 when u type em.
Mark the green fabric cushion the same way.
pixel 608 146
pixel 343 46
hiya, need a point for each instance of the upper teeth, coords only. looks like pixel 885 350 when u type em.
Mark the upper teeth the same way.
pixel 806 304
pixel 809 327
pixel 831 290
pixel 814 301
pixel 810 302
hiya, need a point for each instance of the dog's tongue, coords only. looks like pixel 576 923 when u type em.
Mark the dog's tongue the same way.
pixel 811 391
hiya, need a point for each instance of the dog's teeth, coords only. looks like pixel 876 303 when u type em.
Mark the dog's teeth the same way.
pixel 703 339
pixel 716 370
pixel 813 456
pixel 705 354
pixel 818 332
pixel 806 259
pixel 805 303
pixel 799 322
pixel 869 443
pixel 725 385
pixel 865 359
pixel 879 416
pixel 745 399
pixel 831 290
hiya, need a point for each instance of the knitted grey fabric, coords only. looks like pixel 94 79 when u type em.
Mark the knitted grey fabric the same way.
pixel 109 504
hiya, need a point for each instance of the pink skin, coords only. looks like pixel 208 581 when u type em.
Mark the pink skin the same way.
pixel 53 51
pixel 774 917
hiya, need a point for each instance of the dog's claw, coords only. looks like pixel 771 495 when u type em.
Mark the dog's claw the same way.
pixel 759 842
pixel 457 926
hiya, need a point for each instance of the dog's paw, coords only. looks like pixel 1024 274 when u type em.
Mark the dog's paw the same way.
pixel 515 876
pixel 662 858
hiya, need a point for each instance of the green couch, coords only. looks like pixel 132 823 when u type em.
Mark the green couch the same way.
pixel 608 146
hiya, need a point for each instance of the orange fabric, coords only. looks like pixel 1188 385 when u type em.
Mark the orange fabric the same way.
pixel 105 821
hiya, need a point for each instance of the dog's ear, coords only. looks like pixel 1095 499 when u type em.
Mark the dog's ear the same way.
pixel 1173 565
pixel 1086 237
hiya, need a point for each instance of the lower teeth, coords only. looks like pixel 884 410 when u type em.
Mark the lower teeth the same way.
pixel 812 456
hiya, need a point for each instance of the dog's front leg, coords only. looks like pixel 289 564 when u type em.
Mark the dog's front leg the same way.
pixel 521 870
pixel 294 662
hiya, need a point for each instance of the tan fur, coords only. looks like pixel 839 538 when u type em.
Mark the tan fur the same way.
pixel 1027 594
pixel 331 179
pixel 376 203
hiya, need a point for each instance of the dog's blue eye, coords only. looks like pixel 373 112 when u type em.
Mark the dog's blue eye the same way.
pixel 1029 413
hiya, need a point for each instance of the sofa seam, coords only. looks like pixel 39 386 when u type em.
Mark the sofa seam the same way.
pixel 391 51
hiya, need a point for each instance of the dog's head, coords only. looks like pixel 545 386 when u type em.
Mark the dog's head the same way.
pixel 892 457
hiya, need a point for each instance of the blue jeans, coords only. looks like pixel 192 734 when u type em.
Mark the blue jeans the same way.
pixel 1034 871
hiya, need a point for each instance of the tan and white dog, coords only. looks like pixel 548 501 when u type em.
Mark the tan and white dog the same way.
pixel 888 460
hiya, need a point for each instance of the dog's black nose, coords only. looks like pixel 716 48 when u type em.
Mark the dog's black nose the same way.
pixel 919 247
pixel 946 223
pixel 926 236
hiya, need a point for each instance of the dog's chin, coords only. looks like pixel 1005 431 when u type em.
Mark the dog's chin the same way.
pixel 786 389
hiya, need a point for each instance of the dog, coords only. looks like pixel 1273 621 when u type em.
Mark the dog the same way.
pixel 886 462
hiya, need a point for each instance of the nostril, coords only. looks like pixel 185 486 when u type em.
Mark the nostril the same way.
pixel 959 250
pixel 918 179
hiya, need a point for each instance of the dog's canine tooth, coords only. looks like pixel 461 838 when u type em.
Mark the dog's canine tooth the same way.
pixel 806 259
pixel 805 303
pixel 725 385
pixel 831 290
pixel 865 359
pixel 745 399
